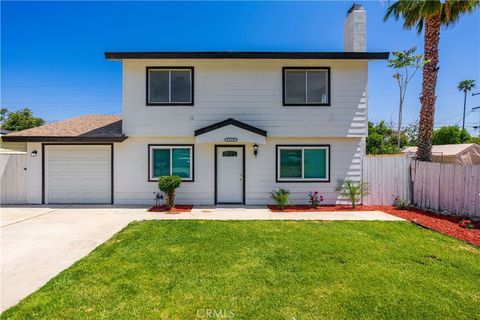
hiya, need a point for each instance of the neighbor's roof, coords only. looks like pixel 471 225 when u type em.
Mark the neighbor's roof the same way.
pixel 3 131
pixel 444 149
pixel 87 128
pixel 247 55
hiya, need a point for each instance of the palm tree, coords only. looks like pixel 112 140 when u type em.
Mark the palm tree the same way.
pixel 465 86
pixel 432 15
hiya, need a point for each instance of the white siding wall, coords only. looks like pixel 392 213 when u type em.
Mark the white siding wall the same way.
pixel 34 174
pixel 249 91
pixel 131 171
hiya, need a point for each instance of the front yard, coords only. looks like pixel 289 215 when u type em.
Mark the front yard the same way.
pixel 266 270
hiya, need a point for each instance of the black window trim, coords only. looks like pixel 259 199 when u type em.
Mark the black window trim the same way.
pixel 169 104
pixel 296 104
pixel 277 172
pixel 171 145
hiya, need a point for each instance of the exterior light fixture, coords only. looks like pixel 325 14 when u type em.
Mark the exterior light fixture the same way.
pixel 255 150
pixel 33 153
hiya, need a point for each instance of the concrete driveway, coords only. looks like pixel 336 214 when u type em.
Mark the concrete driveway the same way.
pixel 38 242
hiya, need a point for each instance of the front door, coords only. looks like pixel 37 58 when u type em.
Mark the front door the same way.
pixel 230 175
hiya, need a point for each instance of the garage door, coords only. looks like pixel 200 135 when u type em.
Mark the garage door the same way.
pixel 78 174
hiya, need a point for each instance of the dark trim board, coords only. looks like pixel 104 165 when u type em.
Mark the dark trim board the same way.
pixel 112 180
pixel 232 122
pixel 172 145
pixel 247 55
pixel 215 171
pixel 284 69
pixel 304 145
pixel 169 104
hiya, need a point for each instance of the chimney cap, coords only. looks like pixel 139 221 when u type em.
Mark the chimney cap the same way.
pixel 355 6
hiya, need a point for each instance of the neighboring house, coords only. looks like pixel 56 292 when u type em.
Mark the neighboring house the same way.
pixel 233 125
pixel 466 154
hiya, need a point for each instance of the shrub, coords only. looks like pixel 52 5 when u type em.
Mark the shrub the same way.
pixel 280 196
pixel 315 199
pixel 401 204
pixel 467 224
pixel 352 191
pixel 168 184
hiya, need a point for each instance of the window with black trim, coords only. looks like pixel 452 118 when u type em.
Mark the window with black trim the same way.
pixel 169 86
pixel 171 160
pixel 306 86
pixel 303 163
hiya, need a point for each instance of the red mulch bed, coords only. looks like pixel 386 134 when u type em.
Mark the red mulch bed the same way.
pixel 444 224
pixel 177 209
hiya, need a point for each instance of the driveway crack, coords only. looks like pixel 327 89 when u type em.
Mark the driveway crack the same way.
pixel 33 217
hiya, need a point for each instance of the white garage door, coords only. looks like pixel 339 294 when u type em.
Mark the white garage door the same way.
pixel 78 174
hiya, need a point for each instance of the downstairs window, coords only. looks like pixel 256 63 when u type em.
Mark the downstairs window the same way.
pixel 303 163
pixel 171 160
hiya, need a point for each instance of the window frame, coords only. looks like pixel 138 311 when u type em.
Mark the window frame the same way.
pixel 306 104
pixel 172 68
pixel 152 147
pixel 279 147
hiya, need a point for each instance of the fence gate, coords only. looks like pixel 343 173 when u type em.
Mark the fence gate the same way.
pixel 13 184
pixel 388 177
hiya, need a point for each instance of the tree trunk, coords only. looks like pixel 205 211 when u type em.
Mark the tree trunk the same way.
pixel 399 122
pixel 170 200
pixel 464 109
pixel 427 112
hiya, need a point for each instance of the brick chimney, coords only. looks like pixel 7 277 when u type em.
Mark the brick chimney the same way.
pixel 355 29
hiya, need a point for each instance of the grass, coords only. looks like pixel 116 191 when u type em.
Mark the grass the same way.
pixel 266 270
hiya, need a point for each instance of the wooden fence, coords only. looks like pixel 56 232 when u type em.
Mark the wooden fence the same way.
pixel 388 177
pixel 442 187
pixel 447 187
pixel 13 181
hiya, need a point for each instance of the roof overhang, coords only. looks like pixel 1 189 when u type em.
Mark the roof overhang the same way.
pixel 9 138
pixel 247 55
pixel 230 130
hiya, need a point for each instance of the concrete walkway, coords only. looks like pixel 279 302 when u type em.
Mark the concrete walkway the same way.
pixel 38 242
pixel 263 213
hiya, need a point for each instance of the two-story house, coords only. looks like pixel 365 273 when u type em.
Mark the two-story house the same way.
pixel 233 125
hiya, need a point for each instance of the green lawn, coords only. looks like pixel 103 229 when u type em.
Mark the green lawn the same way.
pixel 266 270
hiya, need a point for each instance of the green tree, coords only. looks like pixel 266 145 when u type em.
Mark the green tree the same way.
pixel 411 131
pixel 19 120
pixel 432 14
pixel 465 86
pixel 383 139
pixel 450 135
pixel 406 64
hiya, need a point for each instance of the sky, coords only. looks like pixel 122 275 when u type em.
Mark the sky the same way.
pixel 52 53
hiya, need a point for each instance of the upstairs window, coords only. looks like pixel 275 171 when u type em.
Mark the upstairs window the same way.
pixel 169 86
pixel 306 86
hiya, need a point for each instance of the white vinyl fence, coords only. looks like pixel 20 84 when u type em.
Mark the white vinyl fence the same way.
pixel 388 177
pixel 447 187
pixel 13 183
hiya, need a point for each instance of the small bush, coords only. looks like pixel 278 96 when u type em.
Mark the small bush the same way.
pixel 315 199
pixel 352 191
pixel 168 184
pixel 401 204
pixel 467 224
pixel 280 196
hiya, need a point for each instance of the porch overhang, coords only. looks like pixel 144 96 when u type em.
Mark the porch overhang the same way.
pixel 230 131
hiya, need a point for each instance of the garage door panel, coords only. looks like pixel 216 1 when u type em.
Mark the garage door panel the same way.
pixel 78 174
